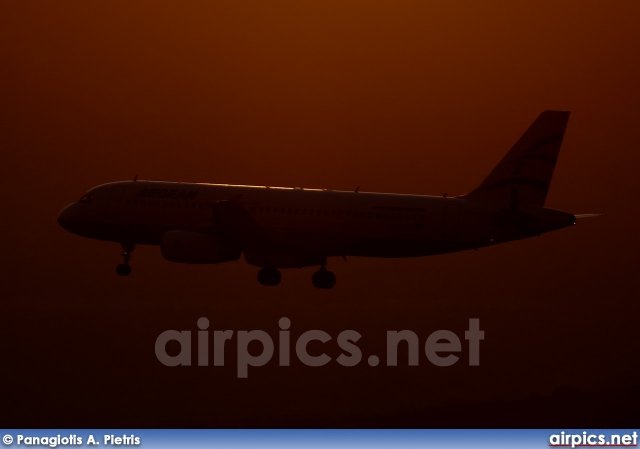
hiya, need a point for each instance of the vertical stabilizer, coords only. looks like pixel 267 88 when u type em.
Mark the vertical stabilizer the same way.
pixel 523 176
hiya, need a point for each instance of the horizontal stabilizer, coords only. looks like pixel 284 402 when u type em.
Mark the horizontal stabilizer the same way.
pixel 588 215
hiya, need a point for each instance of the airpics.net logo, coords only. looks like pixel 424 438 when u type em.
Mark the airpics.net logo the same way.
pixel 592 439
pixel 441 347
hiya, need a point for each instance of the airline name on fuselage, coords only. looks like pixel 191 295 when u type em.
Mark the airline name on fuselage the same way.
pixel 166 193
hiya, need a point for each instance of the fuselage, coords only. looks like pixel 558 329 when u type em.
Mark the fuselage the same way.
pixel 306 221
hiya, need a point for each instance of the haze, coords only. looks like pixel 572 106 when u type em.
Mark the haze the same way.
pixel 406 97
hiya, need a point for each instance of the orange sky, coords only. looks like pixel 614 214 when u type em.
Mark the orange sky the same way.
pixel 404 96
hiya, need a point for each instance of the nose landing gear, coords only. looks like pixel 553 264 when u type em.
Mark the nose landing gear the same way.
pixel 124 269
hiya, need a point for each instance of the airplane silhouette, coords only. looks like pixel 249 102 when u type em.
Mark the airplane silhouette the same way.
pixel 276 227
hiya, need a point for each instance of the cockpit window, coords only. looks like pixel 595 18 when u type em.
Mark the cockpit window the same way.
pixel 86 199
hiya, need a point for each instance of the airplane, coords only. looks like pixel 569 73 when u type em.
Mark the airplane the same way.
pixel 277 228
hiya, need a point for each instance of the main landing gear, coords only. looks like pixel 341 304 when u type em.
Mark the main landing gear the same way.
pixel 269 276
pixel 323 278
pixel 124 269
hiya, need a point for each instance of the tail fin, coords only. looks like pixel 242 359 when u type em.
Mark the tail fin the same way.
pixel 523 176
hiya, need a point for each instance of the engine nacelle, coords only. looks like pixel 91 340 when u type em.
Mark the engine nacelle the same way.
pixel 196 247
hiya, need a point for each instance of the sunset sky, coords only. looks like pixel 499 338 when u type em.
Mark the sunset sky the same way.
pixel 394 96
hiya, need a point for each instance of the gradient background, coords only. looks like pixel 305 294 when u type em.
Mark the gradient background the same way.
pixel 405 96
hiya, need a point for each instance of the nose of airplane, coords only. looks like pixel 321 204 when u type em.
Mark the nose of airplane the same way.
pixel 65 217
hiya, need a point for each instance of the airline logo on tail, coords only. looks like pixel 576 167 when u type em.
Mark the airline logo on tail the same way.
pixel 525 172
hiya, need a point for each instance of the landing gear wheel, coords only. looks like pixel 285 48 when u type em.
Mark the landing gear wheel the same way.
pixel 323 279
pixel 124 269
pixel 269 276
